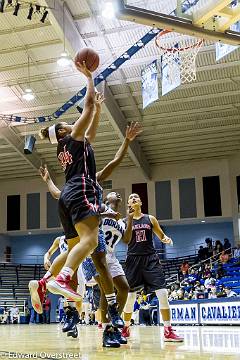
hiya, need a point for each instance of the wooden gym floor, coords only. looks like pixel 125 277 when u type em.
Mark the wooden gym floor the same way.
pixel 48 342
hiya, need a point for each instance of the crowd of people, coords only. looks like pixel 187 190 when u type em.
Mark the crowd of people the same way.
pixel 203 280
pixel 9 315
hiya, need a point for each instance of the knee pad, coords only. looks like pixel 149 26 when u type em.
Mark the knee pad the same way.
pixel 162 296
pixel 128 308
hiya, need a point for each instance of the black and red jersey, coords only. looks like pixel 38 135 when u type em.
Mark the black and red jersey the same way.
pixel 142 237
pixel 77 158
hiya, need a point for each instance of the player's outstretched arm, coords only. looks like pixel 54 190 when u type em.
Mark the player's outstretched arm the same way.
pixel 158 231
pixel 131 132
pixel 91 131
pixel 80 126
pixel 53 189
pixel 53 248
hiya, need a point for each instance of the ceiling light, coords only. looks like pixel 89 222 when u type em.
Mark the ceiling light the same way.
pixel 64 60
pixel 17 7
pixel 2 3
pixel 28 95
pixel 45 14
pixel 108 11
pixel 203 221
pixel 30 14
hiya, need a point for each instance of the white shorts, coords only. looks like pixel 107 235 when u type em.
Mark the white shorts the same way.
pixel 114 265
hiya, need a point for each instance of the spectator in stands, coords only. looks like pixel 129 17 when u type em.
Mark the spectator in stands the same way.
pixel 202 253
pixel 3 315
pixel 206 271
pixel 46 310
pixel 218 248
pixel 236 253
pixel 209 244
pixel 14 314
pixel 227 246
pixel 213 293
pixel 230 292
pixel 224 258
pixel 184 267
pixel 144 312
pixel 180 294
pixel 209 280
pixel 220 272
pixel 221 292
pixel 192 277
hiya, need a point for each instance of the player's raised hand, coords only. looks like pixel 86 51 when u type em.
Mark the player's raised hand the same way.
pixel 43 171
pixel 46 262
pixel 133 130
pixel 130 211
pixel 83 69
pixel 99 99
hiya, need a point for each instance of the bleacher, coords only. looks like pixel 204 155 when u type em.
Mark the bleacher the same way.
pixel 14 281
pixel 232 278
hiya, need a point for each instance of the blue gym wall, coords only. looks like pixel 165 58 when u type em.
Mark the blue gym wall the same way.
pixel 29 249
pixel 185 237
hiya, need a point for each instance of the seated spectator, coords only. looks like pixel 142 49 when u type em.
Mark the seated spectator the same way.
pixel 221 292
pixel 230 292
pixel 207 271
pixel 193 276
pixel 209 280
pixel 213 293
pixel 184 267
pixel 218 248
pixel 14 314
pixel 224 258
pixel 180 294
pixel 3 315
pixel 227 246
pixel 236 253
pixel 220 272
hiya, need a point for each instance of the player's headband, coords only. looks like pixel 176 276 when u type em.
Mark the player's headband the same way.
pixel 52 134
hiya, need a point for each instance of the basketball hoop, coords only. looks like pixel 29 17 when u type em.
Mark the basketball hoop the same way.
pixel 179 52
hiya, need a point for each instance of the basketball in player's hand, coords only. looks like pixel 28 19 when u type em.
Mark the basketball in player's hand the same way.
pixel 89 56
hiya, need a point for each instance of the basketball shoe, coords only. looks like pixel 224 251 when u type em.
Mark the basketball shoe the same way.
pixel 115 317
pixel 126 331
pixel 170 336
pixel 61 286
pixel 37 289
pixel 109 339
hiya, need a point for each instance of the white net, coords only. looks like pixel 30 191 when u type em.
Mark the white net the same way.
pixel 179 53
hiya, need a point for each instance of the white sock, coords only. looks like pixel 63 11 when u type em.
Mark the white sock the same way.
pixel 47 276
pixel 66 271
pixel 111 299
pixel 167 323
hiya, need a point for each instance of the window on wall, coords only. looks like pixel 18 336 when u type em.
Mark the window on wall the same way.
pixel 33 211
pixel 52 212
pixel 163 200
pixel 141 190
pixel 187 198
pixel 13 212
pixel 212 196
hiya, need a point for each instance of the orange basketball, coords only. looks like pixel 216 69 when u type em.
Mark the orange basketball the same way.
pixel 90 57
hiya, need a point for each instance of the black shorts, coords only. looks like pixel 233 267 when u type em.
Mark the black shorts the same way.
pixel 79 200
pixel 144 271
